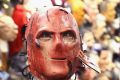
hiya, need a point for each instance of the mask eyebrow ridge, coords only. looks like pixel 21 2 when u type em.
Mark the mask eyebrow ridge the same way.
pixel 74 34
pixel 40 32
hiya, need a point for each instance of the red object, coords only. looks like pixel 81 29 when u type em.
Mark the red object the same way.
pixel 20 18
pixel 54 45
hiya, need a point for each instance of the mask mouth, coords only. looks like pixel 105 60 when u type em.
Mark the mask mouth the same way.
pixel 58 58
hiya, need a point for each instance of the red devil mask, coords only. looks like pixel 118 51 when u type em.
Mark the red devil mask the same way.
pixel 53 43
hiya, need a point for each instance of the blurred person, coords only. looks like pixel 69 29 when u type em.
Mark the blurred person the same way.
pixel 54 46
pixel 106 60
pixel 99 26
pixel 108 10
pixel 108 41
pixel 88 38
pixel 8 33
pixel 92 47
pixel 108 68
pixel 91 10
pixel 105 40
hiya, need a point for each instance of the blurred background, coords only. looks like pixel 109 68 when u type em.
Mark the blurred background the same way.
pixel 98 22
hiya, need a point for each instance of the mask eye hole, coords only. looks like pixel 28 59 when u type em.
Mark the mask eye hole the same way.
pixel 69 36
pixel 44 35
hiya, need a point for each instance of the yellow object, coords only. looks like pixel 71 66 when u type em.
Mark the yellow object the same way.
pixel 77 7
pixel 117 38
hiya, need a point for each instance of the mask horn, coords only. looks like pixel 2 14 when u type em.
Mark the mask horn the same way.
pixel 87 61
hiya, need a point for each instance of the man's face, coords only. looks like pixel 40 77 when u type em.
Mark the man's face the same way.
pixel 56 44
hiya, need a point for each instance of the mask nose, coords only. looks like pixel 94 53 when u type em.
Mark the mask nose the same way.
pixel 58 43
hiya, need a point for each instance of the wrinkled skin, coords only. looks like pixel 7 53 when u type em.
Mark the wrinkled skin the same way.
pixel 52 44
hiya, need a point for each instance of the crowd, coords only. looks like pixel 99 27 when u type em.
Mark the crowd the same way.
pixel 99 24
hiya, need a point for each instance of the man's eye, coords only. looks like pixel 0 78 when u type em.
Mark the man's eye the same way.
pixel 45 35
pixel 69 36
